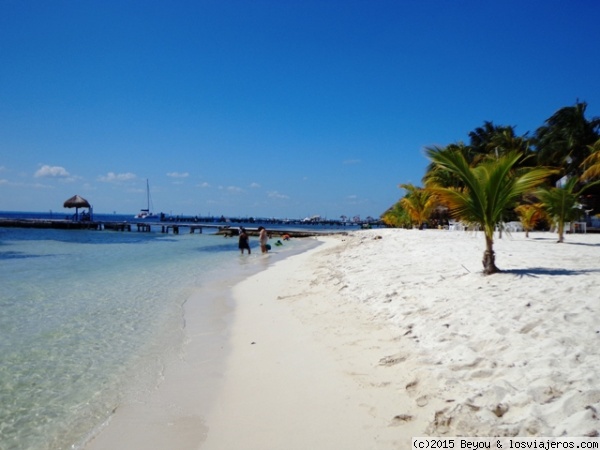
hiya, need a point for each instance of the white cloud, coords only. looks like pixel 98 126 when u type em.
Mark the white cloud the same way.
pixel 204 185
pixel 275 194
pixel 352 161
pixel 112 177
pixel 178 174
pixel 254 185
pixel 234 189
pixel 47 171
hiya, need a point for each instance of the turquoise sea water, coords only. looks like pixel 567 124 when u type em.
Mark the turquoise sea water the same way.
pixel 88 317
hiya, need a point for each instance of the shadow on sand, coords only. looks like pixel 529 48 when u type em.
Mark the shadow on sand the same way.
pixel 566 241
pixel 537 271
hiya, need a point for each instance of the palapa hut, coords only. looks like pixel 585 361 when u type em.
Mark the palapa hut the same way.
pixel 78 202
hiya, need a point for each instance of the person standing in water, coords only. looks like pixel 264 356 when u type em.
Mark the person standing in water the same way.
pixel 263 238
pixel 244 242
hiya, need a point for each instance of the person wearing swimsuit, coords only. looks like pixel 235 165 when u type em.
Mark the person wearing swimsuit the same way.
pixel 244 243
pixel 263 238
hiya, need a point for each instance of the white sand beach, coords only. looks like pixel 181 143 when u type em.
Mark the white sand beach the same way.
pixel 382 335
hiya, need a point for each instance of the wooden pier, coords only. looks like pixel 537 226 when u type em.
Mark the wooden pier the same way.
pixel 62 224
pixel 175 228
pixel 147 227
pixel 51 223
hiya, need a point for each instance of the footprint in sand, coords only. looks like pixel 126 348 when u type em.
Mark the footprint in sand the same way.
pixel 401 419
pixel 440 424
pixel 422 401
pixel 410 387
pixel 392 360
pixel 530 326
pixel 483 373
pixel 568 317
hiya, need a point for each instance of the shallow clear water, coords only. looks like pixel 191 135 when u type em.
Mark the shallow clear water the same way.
pixel 88 317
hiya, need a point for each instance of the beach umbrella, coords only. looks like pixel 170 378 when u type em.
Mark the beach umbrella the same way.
pixel 76 202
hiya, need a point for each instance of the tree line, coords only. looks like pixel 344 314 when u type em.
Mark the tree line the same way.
pixel 550 177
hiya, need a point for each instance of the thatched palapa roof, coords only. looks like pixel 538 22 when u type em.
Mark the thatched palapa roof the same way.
pixel 76 202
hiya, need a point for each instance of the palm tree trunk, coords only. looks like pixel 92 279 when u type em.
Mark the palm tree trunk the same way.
pixel 561 232
pixel 489 257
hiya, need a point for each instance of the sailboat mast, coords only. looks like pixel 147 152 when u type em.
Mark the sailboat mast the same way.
pixel 148 194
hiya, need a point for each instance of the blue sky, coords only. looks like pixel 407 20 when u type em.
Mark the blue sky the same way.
pixel 270 108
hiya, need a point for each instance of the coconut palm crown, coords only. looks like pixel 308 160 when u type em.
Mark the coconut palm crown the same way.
pixel 530 215
pixel 561 203
pixel 491 187
pixel 418 203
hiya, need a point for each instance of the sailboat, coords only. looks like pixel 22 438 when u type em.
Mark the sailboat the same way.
pixel 146 213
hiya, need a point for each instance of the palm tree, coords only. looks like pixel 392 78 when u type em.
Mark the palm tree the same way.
pixel 564 139
pixel 490 188
pixel 480 136
pixel 530 215
pixel 591 170
pixel 439 175
pixel 497 140
pixel 396 216
pixel 488 140
pixel 418 203
pixel 562 203
pixel 591 164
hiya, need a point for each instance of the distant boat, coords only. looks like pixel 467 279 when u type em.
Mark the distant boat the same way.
pixel 146 213
pixel 316 218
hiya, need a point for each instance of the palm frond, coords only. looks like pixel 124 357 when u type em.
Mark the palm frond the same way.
pixel 591 164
